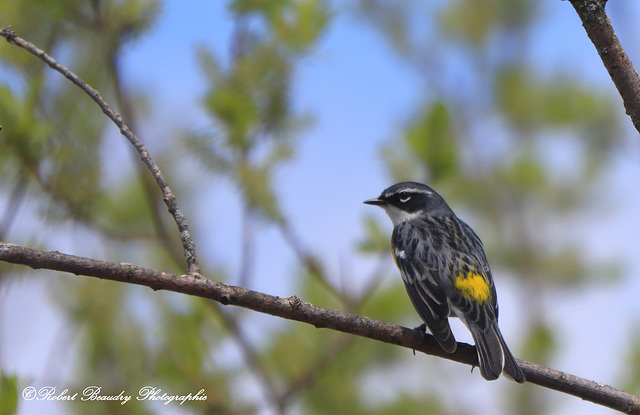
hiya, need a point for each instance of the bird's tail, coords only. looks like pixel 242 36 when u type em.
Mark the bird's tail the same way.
pixel 511 368
pixel 489 352
pixel 494 355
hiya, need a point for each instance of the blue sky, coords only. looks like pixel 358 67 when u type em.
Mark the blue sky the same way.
pixel 359 95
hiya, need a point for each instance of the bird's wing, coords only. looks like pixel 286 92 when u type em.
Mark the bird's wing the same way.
pixel 473 296
pixel 420 270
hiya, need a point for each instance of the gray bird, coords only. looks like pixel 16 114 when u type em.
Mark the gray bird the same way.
pixel 446 273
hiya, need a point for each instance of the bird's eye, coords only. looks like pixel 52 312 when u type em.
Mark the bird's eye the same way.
pixel 404 197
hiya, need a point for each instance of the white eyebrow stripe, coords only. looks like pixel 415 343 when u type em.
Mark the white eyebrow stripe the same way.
pixel 413 190
pixel 421 191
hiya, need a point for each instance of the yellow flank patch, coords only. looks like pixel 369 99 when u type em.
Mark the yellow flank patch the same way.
pixel 397 254
pixel 473 286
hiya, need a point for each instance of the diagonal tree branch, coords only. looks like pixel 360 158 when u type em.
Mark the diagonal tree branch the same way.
pixel 167 194
pixel 124 103
pixel 625 77
pixel 293 308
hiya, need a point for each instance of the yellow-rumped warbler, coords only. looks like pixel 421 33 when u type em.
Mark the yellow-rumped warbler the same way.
pixel 446 273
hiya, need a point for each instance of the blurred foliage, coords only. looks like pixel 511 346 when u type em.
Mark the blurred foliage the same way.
pixel 377 240
pixel 250 100
pixel 429 147
pixel 8 394
pixel 514 190
pixel 632 362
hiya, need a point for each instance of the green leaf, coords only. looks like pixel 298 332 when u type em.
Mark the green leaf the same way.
pixel 235 109
pixel 302 24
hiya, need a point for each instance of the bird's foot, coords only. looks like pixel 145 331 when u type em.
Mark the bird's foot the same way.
pixel 422 329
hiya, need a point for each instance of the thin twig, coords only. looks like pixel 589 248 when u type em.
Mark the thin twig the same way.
pixel 168 196
pixel 148 187
pixel 293 308
pixel 625 77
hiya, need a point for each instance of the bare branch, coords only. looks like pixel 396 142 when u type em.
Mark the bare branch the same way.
pixel 168 196
pixel 625 77
pixel 293 308
pixel 124 103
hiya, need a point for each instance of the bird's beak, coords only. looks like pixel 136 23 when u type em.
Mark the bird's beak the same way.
pixel 375 202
